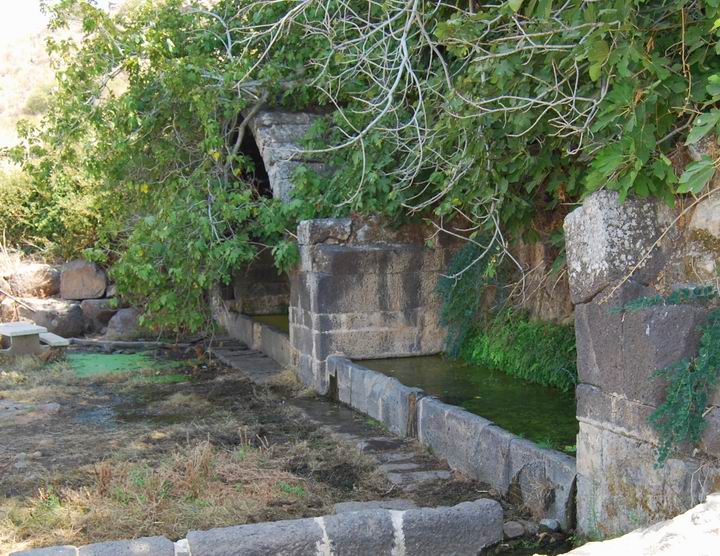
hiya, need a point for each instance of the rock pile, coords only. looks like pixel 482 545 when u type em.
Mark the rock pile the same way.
pixel 71 300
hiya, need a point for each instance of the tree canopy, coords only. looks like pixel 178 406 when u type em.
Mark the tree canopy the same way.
pixel 477 116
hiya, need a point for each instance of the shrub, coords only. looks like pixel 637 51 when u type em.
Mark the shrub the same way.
pixel 537 351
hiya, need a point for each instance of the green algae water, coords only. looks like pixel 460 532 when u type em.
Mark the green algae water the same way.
pixel 542 414
pixel 281 322
pixel 86 365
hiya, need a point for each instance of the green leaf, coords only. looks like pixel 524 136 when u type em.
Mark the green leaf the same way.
pixel 696 176
pixel 702 125
pixel 595 70
pixel 515 5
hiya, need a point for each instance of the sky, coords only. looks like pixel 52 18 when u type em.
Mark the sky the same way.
pixel 23 17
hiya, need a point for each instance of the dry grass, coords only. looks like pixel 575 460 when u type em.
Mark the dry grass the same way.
pixel 197 487
pixel 30 379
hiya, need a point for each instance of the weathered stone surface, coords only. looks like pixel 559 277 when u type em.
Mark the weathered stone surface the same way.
pixel 278 135
pixel 124 325
pixel 544 299
pixel 97 313
pixel 467 528
pixel 150 546
pixel 66 550
pixel 367 532
pixel 33 280
pixel 390 504
pixel 61 317
pixel 82 280
pixel 513 530
pixel 605 239
pixel 276 344
pixel 706 217
pixel 619 487
pixel 696 532
pixel 259 289
pixel 619 352
pixel 324 230
pixel 549 525
pixel 284 538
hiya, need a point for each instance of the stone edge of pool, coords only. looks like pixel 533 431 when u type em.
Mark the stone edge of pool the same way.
pixel 541 479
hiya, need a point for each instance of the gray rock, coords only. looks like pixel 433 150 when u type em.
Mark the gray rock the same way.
pixel 549 525
pixel 368 532
pixel 150 546
pixel 124 325
pixel 706 217
pixel 50 551
pixel 463 529
pixel 324 230
pixel 604 239
pixel 513 530
pixel 82 280
pixel 281 538
pixel 97 313
pixel 59 316
pixel 391 504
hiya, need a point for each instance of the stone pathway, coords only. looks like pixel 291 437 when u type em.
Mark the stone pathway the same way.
pixel 257 366
pixel 406 467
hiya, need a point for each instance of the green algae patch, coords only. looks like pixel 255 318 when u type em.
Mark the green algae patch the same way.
pixel 86 365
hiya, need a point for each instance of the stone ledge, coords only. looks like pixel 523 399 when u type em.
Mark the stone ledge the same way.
pixel 145 546
pixel 463 529
pixel 544 480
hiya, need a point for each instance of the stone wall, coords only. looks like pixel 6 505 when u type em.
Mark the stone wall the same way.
pixel 616 253
pixel 364 290
pixel 259 289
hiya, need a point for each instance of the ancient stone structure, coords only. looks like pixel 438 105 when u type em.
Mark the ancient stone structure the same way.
pixel 259 289
pixel 618 252
pixel 278 135
pixel 364 290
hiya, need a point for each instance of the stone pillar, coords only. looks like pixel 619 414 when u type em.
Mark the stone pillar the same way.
pixel 364 291
pixel 619 488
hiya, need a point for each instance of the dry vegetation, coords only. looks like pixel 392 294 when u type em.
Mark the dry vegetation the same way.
pixel 212 452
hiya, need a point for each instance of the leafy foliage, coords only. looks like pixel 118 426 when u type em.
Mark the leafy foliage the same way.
pixel 700 294
pixel 536 351
pixel 680 418
pixel 476 116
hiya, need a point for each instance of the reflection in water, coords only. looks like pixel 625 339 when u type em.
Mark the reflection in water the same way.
pixel 281 322
pixel 542 414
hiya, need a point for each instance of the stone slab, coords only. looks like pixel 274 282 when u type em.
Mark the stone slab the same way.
pixel 145 546
pixel 390 504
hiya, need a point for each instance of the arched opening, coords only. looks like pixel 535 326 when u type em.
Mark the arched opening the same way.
pixel 256 175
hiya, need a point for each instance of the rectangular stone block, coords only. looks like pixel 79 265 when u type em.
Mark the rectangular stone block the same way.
pixel 380 259
pixel 276 344
pixel 145 546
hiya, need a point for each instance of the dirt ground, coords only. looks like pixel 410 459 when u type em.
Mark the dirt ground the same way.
pixel 177 443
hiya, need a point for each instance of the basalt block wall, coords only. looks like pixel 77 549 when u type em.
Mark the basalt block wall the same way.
pixel 258 288
pixel 364 290
pixel 617 252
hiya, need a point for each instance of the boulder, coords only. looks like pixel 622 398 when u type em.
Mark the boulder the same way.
pixel 32 280
pixel 97 313
pixel 82 280
pixel 59 316
pixel 124 325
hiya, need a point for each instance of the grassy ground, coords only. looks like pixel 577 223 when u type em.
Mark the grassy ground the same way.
pixel 125 454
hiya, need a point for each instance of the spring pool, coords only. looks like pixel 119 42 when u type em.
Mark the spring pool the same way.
pixel 539 413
